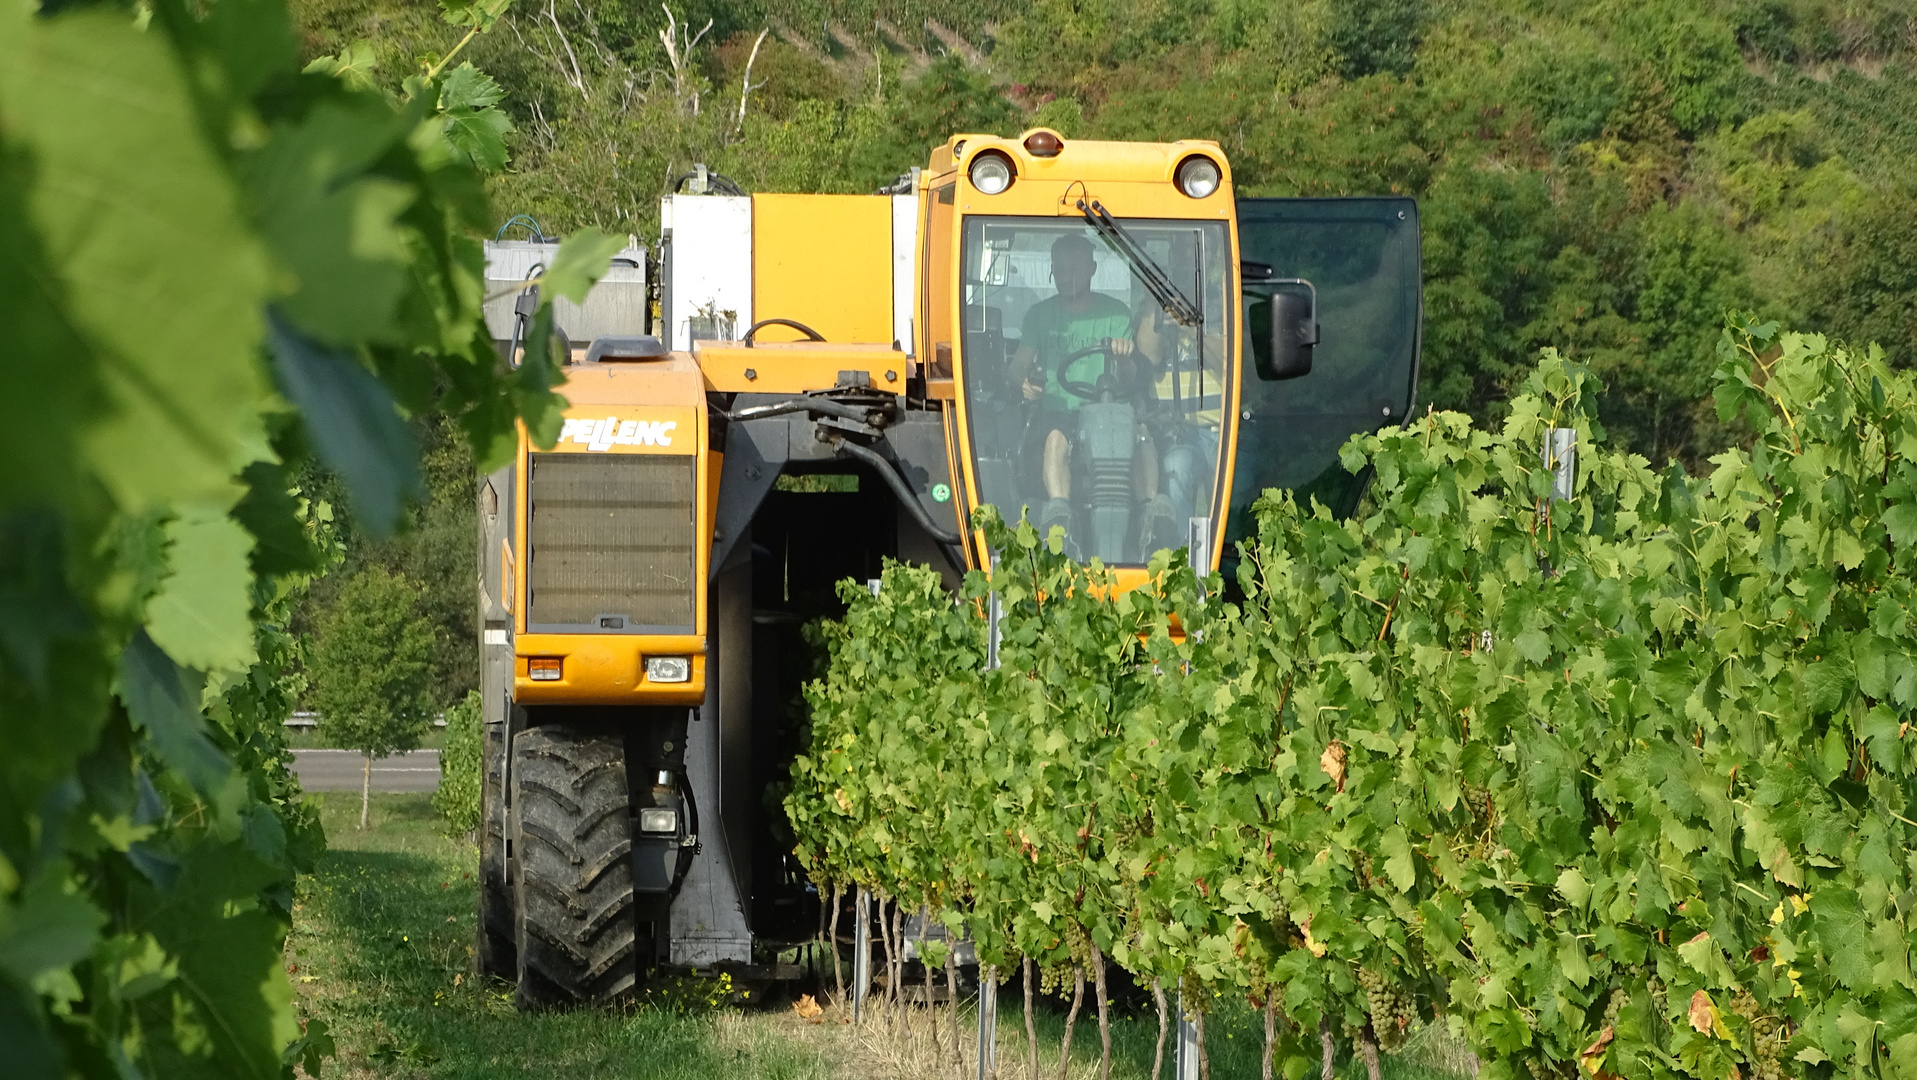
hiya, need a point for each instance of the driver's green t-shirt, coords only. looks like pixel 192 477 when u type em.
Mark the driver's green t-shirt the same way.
pixel 1053 333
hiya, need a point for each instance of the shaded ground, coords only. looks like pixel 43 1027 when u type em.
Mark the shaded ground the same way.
pixel 382 950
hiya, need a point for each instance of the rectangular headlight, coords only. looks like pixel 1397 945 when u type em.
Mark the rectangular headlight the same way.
pixel 668 668
pixel 658 819
pixel 543 669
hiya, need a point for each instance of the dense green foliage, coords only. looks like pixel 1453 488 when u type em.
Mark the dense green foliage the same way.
pixel 1617 783
pixel 456 800
pixel 218 266
pixel 1601 178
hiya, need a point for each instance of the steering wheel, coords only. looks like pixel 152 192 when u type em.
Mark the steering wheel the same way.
pixel 1088 391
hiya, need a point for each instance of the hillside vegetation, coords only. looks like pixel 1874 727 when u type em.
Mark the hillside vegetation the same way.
pixel 1606 178
pixel 1603 178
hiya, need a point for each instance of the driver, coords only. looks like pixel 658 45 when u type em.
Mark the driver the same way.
pixel 1054 328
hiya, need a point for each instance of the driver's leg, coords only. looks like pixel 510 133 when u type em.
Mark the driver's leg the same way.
pixel 1157 525
pixel 1058 484
pixel 1058 465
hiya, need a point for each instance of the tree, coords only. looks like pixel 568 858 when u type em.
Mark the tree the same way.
pixel 372 670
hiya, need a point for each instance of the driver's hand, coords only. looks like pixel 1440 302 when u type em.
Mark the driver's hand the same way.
pixel 1032 393
pixel 1120 346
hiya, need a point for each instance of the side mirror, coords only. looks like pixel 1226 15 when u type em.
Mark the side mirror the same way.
pixel 1283 328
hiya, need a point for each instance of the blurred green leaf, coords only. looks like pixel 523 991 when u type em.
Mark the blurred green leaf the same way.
pixel 352 422
pixel 582 260
pixel 156 264
pixel 163 699
pixel 202 615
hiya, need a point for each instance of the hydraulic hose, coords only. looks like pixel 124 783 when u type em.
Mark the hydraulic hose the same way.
pixel 684 865
pixel 897 483
pixel 824 406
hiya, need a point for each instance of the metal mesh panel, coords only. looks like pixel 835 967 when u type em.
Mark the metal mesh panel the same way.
pixel 611 534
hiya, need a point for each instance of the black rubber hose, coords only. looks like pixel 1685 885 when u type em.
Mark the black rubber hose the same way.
pixel 897 483
pixel 686 854
pixel 823 406
pixel 793 323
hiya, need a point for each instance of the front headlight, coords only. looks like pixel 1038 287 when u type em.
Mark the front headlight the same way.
pixel 658 819
pixel 991 173
pixel 668 668
pixel 1198 176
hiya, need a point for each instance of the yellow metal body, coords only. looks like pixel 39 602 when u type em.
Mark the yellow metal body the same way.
pixel 798 366
pixel 826 261
pixel 602 400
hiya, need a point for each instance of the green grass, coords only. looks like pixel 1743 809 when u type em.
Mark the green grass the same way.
pixel 382 951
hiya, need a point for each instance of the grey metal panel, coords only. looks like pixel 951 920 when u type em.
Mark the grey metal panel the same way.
pixel 495 493
pixel 917 443
pixel 708 916
pixel 616 306
pixel 755 453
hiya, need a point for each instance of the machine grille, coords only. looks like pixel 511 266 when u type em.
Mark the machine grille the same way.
pixel 611 534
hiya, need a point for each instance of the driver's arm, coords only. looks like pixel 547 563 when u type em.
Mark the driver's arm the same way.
pixel 1025 370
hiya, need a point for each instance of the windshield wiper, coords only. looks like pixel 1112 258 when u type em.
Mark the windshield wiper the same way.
pixel 1157 282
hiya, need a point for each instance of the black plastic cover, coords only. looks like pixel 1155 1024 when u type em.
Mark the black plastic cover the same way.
pixel 642 347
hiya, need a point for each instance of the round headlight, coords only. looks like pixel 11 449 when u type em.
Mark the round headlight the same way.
pixel 991 173
pixel 1198 176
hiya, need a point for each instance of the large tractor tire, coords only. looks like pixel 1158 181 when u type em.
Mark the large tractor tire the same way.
pixel 572 856
pixel 497 930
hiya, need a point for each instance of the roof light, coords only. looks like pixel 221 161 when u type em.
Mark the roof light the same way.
pixel 991 173
pixel 1043 144
pixel 1198 176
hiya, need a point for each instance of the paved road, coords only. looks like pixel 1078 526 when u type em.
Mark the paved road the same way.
pixel 339 770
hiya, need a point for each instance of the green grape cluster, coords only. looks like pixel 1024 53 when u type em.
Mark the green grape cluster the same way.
pixel 1391 1009
pixel 1769 1037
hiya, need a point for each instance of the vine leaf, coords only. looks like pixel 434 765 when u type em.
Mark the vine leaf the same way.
pixel 1332 761
pixel 202 615
pixel 353 424
pixel 163 699
pixel 1592 1056
pixel 582 260
pixel 46 928
pixel 155 263
pixel 355 66
pixel 1705 1018
pixel 332 226
pixel 474 125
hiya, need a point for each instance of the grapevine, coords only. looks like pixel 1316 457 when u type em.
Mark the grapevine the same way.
pixel 218 266
pixel 1611 784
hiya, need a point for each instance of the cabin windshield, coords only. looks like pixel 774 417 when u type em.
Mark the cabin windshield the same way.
pixel 1089 407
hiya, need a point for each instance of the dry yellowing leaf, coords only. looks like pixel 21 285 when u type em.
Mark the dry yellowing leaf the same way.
pixel 1332 761
pixel 808 1010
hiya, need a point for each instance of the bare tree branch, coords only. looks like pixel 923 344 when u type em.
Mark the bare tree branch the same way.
pixel 680 42
pixel 578 79
pixel 745 84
